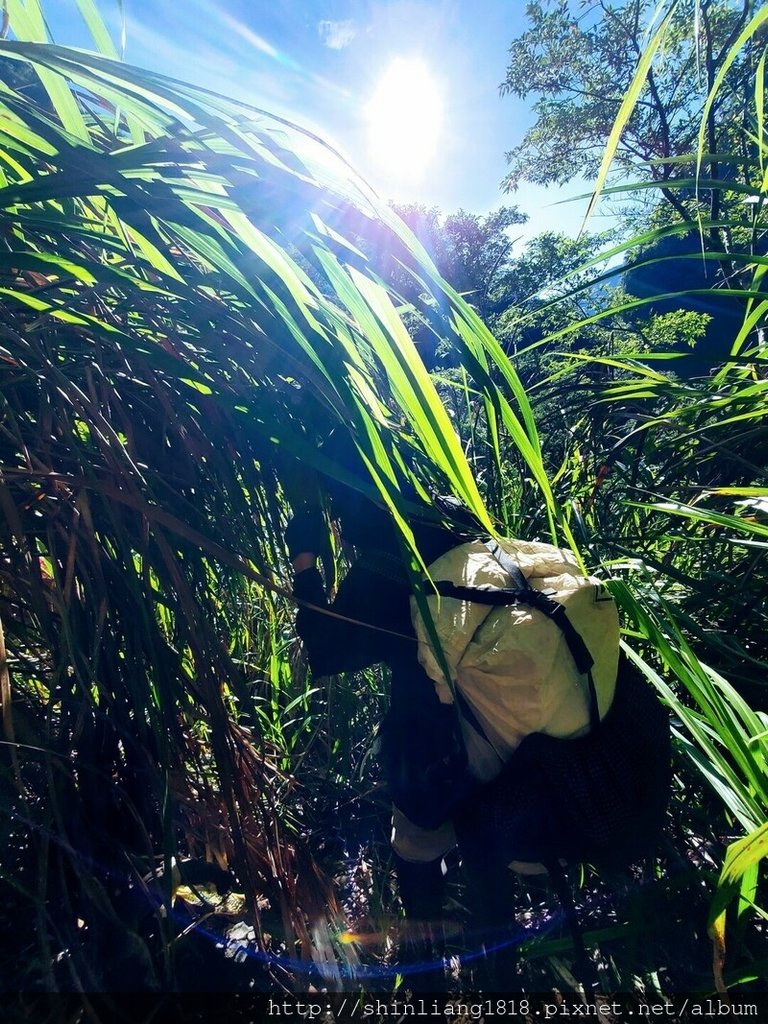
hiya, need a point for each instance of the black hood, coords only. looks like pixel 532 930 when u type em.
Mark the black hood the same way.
pixel 368 524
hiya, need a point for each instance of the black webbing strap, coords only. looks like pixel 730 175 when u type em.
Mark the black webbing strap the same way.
pixel 556 612
pixel 523 593
pixel 543 603
pixel 509 565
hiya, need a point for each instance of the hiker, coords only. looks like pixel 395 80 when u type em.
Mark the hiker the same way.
pixel 520 772
pixel 376 591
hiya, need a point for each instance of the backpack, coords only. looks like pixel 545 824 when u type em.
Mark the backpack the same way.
pixel 568 747
pixel 493 610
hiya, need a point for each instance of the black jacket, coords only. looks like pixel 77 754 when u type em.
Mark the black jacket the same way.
pixel 419 732
pixel 347 644
pixel 370 598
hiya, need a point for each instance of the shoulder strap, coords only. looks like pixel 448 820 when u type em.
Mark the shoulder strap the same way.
pixel 556 612
pixel 509 565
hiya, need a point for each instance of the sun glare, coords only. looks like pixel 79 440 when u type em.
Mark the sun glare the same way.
pixel 404 119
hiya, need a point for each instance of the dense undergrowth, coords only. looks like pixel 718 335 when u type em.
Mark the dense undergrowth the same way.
pixel 192 297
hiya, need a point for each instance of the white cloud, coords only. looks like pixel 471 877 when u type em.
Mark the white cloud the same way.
pixel 336 34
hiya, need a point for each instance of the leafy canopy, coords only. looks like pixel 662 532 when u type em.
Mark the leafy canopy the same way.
pixel 578 62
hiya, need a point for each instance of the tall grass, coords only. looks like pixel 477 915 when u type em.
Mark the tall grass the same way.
pixel 193 297
pixel 188 309
pixel 677 511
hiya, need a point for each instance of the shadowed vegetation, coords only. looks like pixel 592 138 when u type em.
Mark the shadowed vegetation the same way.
pixel 194 293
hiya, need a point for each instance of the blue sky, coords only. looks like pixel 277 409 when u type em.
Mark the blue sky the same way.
pixel 319 62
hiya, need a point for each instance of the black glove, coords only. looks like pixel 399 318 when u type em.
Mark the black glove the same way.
pixel 308 531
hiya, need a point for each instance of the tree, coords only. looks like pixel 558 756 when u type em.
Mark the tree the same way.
pixel 473 253
pixel 579 60
pixel 478 257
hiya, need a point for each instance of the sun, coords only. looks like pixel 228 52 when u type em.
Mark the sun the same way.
pixel 404 119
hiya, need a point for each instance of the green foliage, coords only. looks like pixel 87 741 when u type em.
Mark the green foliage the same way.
pixel 677 468
pixel 194 294
pixel 675 329
pixel 662 469
pixel 580 63
pixel 473 253
pixel 186 314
